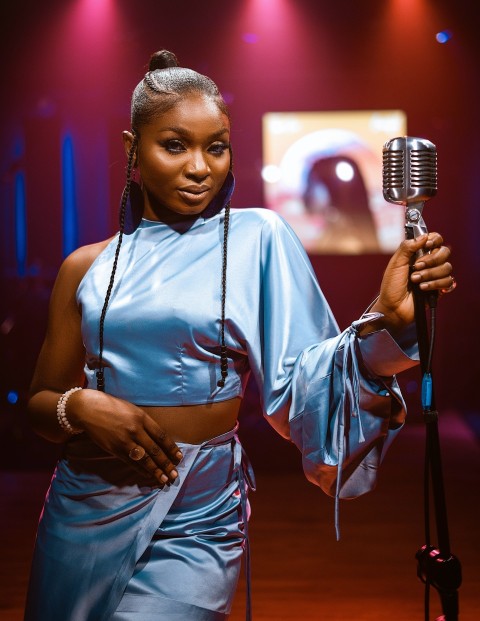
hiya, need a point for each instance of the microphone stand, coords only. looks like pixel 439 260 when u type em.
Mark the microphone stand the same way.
pixel 437 567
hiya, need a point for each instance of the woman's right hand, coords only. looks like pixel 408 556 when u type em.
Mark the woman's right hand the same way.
pixel 126 431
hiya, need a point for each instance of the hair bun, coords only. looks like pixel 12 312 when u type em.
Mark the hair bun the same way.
pixel 162 60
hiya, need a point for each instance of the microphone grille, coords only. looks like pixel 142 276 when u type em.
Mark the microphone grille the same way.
pixel 409 170
pixel 423 169
pixel 393 172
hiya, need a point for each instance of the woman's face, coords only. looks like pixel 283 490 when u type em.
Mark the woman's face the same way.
pixel 183 157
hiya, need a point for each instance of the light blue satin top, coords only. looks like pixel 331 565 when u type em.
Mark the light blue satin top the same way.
pixel 162 327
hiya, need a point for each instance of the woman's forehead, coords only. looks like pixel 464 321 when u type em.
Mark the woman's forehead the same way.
pixel 194 112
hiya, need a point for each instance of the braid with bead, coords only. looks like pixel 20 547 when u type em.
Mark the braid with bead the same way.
pixel 223 347
pixel 100 371
pixel 160 89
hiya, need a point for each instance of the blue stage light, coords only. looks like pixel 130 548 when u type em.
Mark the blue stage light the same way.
pixel 12 397
pixel 20 224
pixel 443 36
pixel 70 224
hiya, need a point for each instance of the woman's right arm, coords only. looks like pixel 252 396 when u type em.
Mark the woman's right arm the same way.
pixel 61 360
pixel 115 425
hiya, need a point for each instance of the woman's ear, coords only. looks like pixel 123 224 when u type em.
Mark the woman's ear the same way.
pixel 127 138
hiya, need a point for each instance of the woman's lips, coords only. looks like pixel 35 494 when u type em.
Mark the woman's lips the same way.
pixel 194 194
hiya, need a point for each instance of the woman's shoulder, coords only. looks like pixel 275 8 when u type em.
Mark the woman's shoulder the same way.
pixel 71 272
pixel 267 224
pixel 76 265
pixel 262 217
pixel 255 213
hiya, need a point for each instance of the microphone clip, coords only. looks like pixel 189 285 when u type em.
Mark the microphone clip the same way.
pixel 414 222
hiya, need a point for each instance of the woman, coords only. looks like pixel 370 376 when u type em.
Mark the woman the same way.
pixel 150 341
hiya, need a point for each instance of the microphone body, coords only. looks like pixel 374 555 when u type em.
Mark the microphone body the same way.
pixel 410 178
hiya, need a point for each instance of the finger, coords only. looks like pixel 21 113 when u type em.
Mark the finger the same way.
pixel 162 469
pixel 440 283
pixel 156 460
pixel 161 464
pixel 163 440
pixel 421 245
pixel 434 240
pixel 439 274
pixel 446 284
pixel 437 256
pixel 152 461
pixel 408 249
pixel 451 288
pixel 137 457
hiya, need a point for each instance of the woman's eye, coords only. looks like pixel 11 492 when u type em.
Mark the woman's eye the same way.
pixel 173 146
pixel 218 148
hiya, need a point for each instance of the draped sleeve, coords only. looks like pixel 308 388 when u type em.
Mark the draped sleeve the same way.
pixel 333 394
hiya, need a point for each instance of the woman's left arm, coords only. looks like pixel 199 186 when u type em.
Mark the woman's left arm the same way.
pixel 343 441
pixel 335 394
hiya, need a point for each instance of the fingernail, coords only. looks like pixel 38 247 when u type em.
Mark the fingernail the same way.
pixel 416 277
pixel 173 474
pixel 179 455
pixel 424 285
pixel 419 266
pixel 164 478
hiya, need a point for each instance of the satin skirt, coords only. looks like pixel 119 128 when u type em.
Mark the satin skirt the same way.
pixel 110 549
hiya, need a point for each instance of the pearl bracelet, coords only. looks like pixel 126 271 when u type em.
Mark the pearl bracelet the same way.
pixel 62 414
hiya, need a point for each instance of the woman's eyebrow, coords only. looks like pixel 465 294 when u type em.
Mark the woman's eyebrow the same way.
pixel 184 131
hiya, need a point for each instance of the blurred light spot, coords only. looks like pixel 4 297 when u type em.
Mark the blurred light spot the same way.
pixel 70 225
pixel 20 224
pixel 250 37
pixel 45 108
pixel 271 173
pixel 18 148
pixel 411 387
pixel 344 171
pixel 12 397
pixel 228 98
pixel 388 122
pixel 444 36
pixel 7 326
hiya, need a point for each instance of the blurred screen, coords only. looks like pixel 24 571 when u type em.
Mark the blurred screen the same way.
pixel 322 171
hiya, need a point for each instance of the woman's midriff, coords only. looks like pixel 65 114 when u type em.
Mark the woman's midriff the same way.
pixel 194 424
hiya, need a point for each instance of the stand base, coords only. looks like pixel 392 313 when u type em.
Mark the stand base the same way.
pixel 445 574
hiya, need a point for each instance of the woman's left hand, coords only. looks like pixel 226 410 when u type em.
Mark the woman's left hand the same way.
pixel 431 272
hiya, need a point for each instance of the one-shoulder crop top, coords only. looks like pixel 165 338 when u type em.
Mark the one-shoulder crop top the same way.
pixel 162 326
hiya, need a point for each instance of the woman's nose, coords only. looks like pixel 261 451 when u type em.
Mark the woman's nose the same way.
pixel 197 165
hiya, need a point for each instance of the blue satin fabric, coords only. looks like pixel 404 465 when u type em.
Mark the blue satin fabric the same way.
pixel 182 544
pixel 162 339
pixel 331 393
pixel 162 328
pixel 344 416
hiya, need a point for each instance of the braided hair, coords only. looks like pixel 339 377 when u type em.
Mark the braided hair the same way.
pixel 161 89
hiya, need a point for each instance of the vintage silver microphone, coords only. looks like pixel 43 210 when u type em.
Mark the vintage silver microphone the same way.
pixel 410 178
